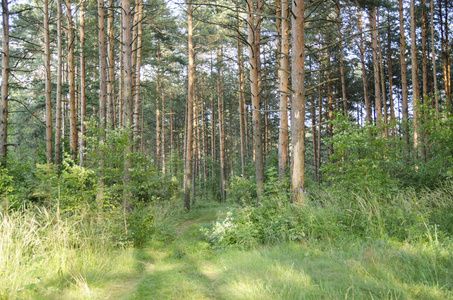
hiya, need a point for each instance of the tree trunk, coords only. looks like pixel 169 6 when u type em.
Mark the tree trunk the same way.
pixel 375 51
pixel 83 105
pixel 369 118
pixel 241 100
pixel 415 86
pixel 343 83
pixel 390 70
pixel 48 86
pixel 433 55
pixel 73 136
pixel 111 66
pixel 403 73
pixel 220 109
pixel 127 90
pixel 424 54
pixel 284 90
pixel 102 98
pixel 138 17
pixel 254 27
pixel 59 84
pixel 190 97
pixel 382 78
pixel 298 101
pixel 5 83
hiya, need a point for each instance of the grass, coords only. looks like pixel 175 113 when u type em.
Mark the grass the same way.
pixel 44 257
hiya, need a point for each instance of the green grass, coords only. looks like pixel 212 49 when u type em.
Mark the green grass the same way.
pixel 188 268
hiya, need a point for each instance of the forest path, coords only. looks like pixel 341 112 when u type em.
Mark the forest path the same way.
pixel 179 269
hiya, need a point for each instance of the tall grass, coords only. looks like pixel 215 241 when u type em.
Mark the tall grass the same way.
pixel 40 249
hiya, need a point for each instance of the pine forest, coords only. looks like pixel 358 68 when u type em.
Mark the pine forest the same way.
pixel 226 149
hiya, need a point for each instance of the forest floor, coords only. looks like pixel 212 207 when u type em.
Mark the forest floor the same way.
pixel 187 268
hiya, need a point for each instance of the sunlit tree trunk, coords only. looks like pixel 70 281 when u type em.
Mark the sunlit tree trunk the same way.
pixel 298 101
pixel 382 78
pixel 48 86
pixel 433 56
pixel 190 98
pixel 127 96
pixel 342 77
pixel 5 83
pixel 390 70
pixel 111 65
pixel 102 97
pixel 220 109
pixel 403 73
pixel 284 90
pixel 138 63
pixel 59 84
pixel 241 101
pixel 369 117
pixel 83 106
pixel 73 136
pixel 254 27
pixel 415 86
pixel 375 51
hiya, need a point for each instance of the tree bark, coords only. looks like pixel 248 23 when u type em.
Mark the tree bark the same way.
pixel 138 62
pixel 298 101
pixel 369 118
pixel 433 55
pixel 127 90
pixel 254 27
pixel 102 98
pixel 111 119
pixel 73 136
pixel 48 84
pixel 375 51
pixel 59 84
pixel 415 85
pixel 241 98
pixel 403 73
pixel 83 105
pixel 284 90
pixel 5 84
pixel 190 97
pixel 220 109
pixel 343 83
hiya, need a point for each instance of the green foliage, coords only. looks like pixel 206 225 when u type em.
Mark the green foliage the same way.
pixel 337 214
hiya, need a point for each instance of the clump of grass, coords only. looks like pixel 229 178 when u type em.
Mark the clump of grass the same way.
pixel 39 248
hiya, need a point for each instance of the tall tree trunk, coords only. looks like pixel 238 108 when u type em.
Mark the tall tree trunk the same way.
pixel 48 86
pixel 121 78
pixel 382 81
pixel 343 82
pixel 138 17
pixel 220 109
pixel 127 90
pixel 433 55
pixel 424 54
pixel 59 84
pixel 163 129
pixel 390 70
pixel 369 118
pixel 5 83
pixel 102 98
pixel 73 136
pixel 241 100
pixel 403 73
pixel 190 98
pixel 375 51
pixel 445 52
pixel 284 90
pixel 298 101
pixel 111 65
pixel 83 105
pixel 254 27
pixel 415 86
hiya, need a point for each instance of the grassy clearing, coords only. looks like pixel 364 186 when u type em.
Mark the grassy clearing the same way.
pixel 47 258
